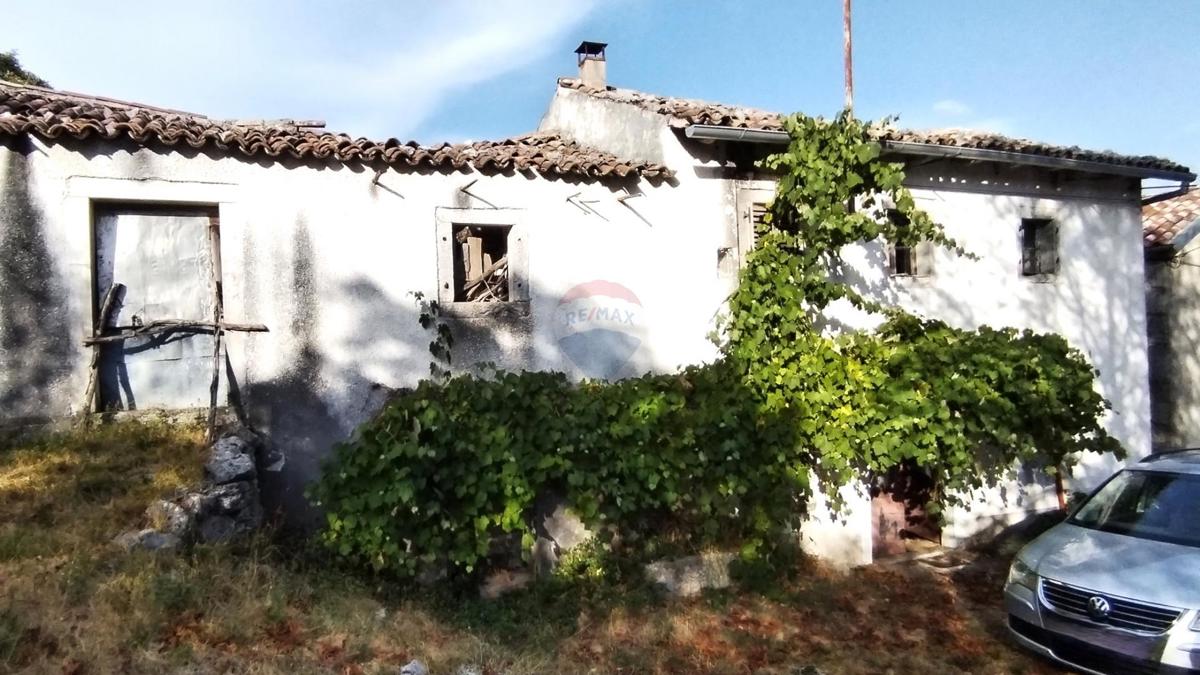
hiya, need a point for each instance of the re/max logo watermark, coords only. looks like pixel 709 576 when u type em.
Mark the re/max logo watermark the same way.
pixel 599 327
pixel 611 315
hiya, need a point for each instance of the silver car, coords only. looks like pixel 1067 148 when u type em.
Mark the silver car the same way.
pixel 1115 588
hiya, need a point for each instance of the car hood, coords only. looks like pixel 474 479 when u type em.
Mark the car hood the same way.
pixel 1117 564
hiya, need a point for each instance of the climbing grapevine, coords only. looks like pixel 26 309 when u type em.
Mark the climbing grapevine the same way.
pixel 723 452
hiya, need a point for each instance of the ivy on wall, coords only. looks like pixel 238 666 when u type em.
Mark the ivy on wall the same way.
pixel 724 452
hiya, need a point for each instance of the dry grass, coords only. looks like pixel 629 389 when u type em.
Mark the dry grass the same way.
pixel 71 603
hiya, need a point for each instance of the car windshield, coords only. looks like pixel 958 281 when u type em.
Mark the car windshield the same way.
pixel 1147 504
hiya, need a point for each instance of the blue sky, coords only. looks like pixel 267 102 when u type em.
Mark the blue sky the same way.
pixel 1103 74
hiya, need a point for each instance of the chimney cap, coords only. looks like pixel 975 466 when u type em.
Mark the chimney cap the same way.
pixel 593 49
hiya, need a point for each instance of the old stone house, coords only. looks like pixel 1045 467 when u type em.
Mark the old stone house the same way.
pixel 602 244
pixel 1173 318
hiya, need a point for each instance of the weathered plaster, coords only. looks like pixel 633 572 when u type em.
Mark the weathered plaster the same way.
pixel 36 349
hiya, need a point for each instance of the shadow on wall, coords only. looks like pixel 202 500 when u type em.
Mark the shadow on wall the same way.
pixel 290 408
pixel 320 400
pixel 35 339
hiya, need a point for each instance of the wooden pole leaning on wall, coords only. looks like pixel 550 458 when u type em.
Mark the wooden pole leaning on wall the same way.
pixel 214 271
pixel 217 328
pixel 89 393
pixel 176 325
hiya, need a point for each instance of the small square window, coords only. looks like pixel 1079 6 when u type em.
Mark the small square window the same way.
pixel 482 262
pixel 1039 247
pixel 911 259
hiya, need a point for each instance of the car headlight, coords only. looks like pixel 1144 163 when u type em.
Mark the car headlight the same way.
pixel 1022 574
pixel 1196 622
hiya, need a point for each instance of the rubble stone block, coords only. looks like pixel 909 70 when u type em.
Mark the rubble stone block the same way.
pixel 129 540
pixel 169 517
pixel 197 503
pixel 414 667
pixel 217 529
pixel 545 558
pixel 685 577
pixel 500 582
pixel 232 498
pixel 160 541
pixel 554 519
pixel 231 460
pixel 150 540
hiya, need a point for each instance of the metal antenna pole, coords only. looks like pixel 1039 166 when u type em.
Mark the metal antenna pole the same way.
pixel 849 55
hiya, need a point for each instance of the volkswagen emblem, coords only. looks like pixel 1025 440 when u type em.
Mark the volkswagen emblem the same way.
pixel 1098 608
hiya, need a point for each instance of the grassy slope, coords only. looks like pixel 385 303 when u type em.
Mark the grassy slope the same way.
pixel 70 603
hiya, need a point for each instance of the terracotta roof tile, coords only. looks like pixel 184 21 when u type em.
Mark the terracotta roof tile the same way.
pixel 53 115
pixel 1162 221
pixel 682 112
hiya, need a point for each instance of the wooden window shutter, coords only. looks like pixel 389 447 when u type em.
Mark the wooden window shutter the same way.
pixel 1048 247
pixel 758 214
pixel 902 257
pixel 1028 247
pixel 1039 246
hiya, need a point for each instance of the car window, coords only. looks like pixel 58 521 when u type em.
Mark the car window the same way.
pixel 1148 504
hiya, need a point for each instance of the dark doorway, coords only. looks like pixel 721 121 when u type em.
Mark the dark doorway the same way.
pixel 899 513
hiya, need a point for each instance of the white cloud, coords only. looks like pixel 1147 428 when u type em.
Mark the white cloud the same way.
pixel 490 40
pixel 998 125
pixel 951 108
pixel 377 69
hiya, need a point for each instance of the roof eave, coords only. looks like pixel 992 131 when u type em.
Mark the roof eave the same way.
pixel 714 132
pixel 1027 159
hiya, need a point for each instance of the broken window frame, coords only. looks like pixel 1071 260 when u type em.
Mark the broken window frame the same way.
pixel 1038 239
pixel 481 263
pixel 451 222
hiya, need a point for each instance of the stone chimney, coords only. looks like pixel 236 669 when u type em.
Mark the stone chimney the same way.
pixel 592 65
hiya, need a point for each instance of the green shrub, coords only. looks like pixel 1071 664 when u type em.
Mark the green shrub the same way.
pixel 447 466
